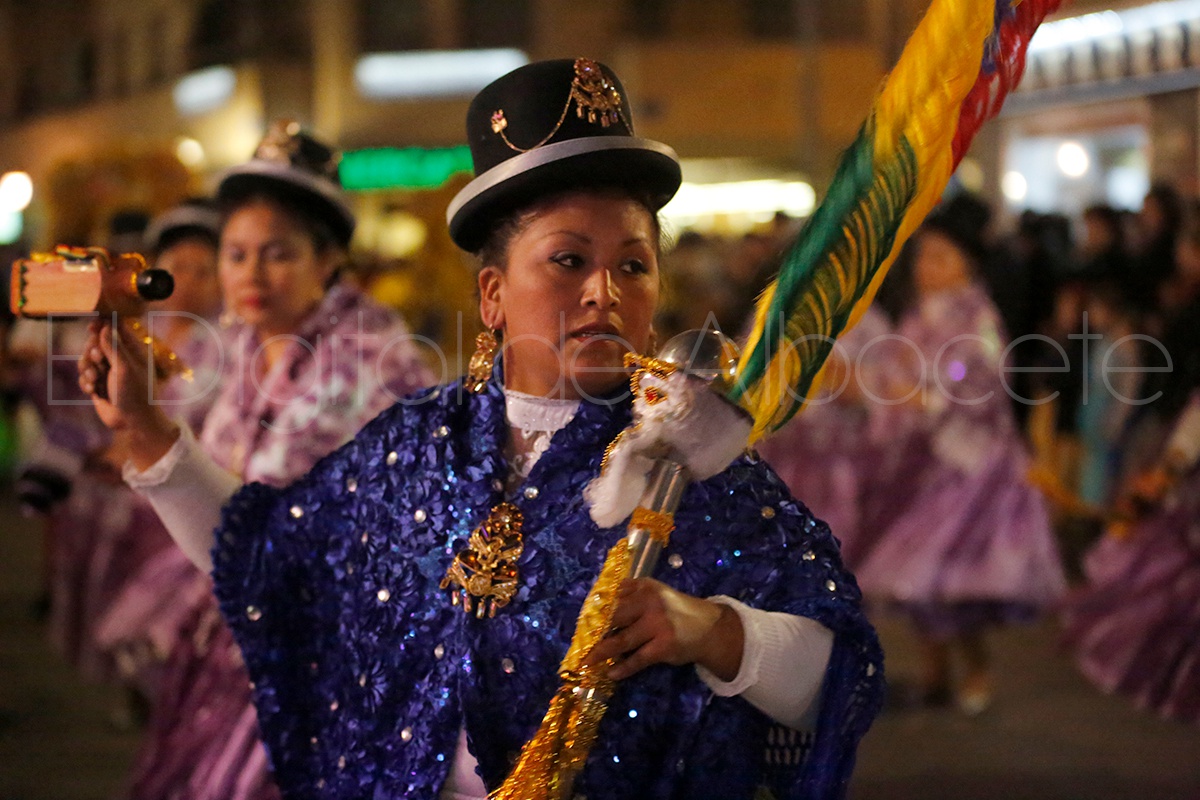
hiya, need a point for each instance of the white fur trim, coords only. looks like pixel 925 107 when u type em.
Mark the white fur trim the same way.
pixel 690 424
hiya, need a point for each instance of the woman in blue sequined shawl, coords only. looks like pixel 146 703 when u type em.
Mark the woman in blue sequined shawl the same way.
pixel 745 666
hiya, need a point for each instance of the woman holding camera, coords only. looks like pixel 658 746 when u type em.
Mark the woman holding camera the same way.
pixel 309 361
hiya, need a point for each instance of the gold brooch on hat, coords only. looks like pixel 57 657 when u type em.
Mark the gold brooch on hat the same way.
pixel 286 144
pixel 281 144
pixel 594 95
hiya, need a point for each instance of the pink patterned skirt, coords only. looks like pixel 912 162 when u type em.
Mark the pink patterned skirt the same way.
pixel 100 538
pixel 202 742
pixel 969 549
pixel 1135 629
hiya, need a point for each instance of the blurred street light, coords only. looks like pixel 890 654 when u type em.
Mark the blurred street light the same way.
pixel 971 175
pixel 1106 25
pixel 1014 186
pixel 758 200
pixel 204 90
pixel 12 223
pixel 1072 159
pixel 189 152
pixel 16 192
pixel 433 73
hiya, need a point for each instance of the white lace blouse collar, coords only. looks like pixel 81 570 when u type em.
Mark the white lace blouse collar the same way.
pixel 529 413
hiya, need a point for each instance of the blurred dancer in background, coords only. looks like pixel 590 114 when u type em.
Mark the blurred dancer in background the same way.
pixel 832 455
pixel 136 596
pixel 310 360
pixel 973 548
pixel 184 242
pixel 1135 629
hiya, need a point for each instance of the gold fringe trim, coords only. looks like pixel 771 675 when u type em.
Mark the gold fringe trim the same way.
pixel 656 523
pixel 556 754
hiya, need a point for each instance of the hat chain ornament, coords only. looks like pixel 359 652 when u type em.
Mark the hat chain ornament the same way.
pixel 286 144
pixel 280 143
pixel 595 98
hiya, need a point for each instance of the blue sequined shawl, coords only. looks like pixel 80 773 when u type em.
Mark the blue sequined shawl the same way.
pixel 364 673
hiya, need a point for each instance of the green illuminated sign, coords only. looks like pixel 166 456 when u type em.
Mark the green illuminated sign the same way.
pixel 402 168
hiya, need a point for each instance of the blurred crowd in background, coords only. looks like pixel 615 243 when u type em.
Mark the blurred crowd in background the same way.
pixel 1010 432
pixel 1085 353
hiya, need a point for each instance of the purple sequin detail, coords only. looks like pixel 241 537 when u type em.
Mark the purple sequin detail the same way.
pixel 387 703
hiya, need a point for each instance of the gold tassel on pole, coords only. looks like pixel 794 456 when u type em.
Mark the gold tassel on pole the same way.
pixel 557 753
pixel 550 760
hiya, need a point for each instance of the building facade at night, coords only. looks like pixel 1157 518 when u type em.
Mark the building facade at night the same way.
pixel 112 104
pixel 1109 105
pixel 116 103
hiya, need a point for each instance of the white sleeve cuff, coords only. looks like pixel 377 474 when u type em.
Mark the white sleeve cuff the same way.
pixel 752 652
pixel 187 490
pixel 160 471
pixel 784 657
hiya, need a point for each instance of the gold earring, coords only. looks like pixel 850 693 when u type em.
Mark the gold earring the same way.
pixel 479 369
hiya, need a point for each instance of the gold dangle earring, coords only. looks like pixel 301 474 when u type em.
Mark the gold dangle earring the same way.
pixel 479 369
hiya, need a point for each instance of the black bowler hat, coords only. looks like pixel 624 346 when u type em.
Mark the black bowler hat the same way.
pixel 293 165
pixel 548 126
